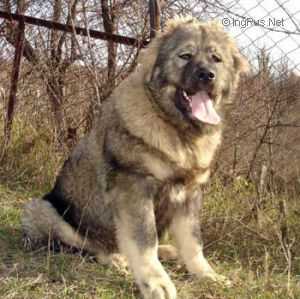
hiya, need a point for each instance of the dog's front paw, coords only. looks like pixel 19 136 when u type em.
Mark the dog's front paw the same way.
pixel 158 288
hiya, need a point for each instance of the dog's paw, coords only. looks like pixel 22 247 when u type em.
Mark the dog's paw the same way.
pixel 224 281
pixel 115 260
pixel 120 263
pixel 167 252
pixel 158 288
pixel 221 279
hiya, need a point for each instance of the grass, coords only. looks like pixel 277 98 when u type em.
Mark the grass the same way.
pixel 255 265
pixel 241 242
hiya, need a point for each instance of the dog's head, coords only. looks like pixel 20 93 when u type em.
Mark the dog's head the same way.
pixel 192 68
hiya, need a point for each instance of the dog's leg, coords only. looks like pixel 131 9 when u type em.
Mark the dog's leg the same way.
pixel 137 239
pixel 185 227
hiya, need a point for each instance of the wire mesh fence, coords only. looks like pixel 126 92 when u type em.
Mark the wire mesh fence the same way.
pixel 64 77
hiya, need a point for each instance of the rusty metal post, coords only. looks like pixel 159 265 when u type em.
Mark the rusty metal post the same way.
pixel 154 12
pixel 19 47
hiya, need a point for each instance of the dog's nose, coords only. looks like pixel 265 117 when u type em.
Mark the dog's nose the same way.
pixel 206 75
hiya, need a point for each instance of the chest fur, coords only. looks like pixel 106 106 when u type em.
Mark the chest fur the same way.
pixel 190 161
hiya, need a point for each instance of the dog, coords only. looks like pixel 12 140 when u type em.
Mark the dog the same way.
pixel 139 171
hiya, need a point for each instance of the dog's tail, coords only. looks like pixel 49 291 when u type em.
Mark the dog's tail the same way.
pixel 43 226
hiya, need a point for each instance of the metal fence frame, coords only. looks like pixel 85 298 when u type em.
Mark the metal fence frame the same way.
pixel 154 14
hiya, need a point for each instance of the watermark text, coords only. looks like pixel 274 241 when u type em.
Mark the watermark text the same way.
pixel 250 22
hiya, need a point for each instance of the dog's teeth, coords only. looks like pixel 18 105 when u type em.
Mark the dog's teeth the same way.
pixel 186 96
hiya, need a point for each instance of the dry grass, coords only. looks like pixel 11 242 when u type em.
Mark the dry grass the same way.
pixel 241 242
pixel 254 263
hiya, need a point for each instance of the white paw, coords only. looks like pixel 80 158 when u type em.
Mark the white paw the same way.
pixel 221 279
pixel 224 280
pixel 158 288
pixel 167 252
pixel 117 261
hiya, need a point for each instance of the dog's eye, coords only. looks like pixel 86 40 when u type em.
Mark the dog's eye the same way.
pixel 216 58
pixel 186 56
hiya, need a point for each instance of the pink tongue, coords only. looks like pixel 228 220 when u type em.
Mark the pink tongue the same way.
pixel 203 109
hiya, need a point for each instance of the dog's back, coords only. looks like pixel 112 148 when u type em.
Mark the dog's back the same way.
pixel 76 209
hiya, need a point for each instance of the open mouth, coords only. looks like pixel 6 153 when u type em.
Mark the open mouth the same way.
pixel 198 106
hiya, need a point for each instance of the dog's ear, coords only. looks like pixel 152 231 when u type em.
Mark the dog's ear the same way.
pixel 147 57
pixel 240 63
pixel 240 66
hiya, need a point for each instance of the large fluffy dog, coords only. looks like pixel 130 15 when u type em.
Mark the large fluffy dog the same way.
pixel 138 171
